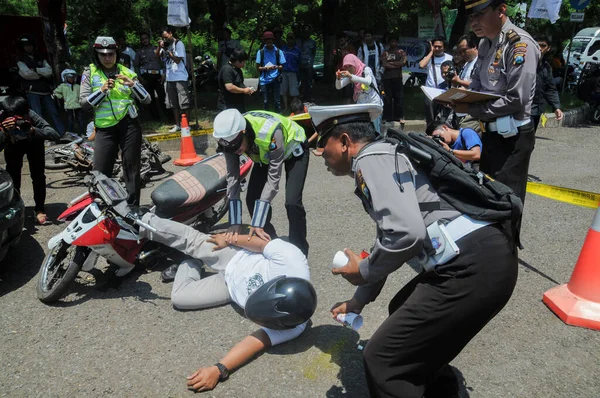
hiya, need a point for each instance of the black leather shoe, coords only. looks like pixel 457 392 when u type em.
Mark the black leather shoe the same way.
pixel 168 274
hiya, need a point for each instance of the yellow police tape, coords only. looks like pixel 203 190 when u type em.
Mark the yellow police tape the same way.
pixel 175 136
pixel 571 196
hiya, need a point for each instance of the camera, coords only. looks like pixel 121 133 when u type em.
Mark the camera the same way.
pixel 438 139
pixel 450 75
pixel 24 125
pixel 112 75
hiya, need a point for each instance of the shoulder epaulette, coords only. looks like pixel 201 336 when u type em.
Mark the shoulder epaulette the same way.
pixel 512 36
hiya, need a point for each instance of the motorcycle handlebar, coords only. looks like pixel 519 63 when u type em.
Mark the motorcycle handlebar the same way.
pixel 145 226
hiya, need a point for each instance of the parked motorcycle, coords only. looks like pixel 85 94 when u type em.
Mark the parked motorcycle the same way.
pixel 588 89
pixel 196 196
pixel 206 72
pixel 78 155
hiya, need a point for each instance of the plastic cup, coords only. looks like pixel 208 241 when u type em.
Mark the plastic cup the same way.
pixel 339 260
pixel 350 320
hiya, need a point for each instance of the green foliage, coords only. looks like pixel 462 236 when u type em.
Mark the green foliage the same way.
pixel 26 8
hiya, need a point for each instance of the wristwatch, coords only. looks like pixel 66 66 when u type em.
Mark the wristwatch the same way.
pixel 223 370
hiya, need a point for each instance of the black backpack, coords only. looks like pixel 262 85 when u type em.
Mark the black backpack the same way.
pixel 472 193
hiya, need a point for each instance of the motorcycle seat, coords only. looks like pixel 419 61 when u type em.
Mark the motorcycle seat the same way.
pixel 191 187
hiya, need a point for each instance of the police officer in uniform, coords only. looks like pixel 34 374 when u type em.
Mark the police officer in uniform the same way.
pixel 150 69
pixel 274 143
pixel 508 59
pixel 435 315
pixel 111 90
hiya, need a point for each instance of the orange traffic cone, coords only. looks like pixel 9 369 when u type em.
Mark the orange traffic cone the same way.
pixel 188 154
pixel 578 302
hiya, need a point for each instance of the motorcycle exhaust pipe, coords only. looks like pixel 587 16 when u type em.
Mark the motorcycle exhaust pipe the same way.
pixel 144 256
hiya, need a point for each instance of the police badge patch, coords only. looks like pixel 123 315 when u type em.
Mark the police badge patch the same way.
pixel 273 144
pixel 362 191
pixel 519 53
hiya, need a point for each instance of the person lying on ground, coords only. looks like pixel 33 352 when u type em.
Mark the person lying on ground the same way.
pixel 268 279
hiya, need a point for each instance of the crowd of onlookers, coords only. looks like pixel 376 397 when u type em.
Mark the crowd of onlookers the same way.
pixel 368 70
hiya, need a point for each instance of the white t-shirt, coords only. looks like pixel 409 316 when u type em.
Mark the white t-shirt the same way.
pixel 438 62
pixel 468 70
pixel 247 271
pixel 176 72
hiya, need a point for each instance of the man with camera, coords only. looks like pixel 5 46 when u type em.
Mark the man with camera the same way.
pixel 231 81
pixel 22 132
pixel 433 62
pixel 173 53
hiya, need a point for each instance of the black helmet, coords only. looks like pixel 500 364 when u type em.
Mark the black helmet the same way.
pixel 282 303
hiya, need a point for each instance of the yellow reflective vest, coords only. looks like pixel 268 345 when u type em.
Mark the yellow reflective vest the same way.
pixel 264 125
pixel 113 108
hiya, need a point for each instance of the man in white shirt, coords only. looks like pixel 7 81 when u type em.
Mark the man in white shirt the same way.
pixel 173 53
pixel 467 48
pixel 433 61
pixel 241 269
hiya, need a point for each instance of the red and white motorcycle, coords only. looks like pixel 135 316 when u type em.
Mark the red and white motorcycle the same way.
pixel 195 196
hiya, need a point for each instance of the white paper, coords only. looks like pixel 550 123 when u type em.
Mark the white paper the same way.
pixel 268 64
pixel 432 92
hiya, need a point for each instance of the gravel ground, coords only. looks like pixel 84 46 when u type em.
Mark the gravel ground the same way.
pixel 131 342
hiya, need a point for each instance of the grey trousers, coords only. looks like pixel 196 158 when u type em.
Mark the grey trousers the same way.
pixel 190 290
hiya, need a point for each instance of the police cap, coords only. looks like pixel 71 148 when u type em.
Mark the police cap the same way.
pixel 105 44
pixel 325 118
pixel 473 6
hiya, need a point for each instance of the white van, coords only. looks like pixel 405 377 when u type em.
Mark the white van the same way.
pixel 586 46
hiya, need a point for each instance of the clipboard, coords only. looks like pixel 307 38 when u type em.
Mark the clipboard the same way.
pixel 457 95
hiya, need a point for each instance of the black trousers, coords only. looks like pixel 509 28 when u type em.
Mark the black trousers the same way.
pixel 507 159
pixel 435 316
pixel 535 119
pixel 127 136
pixel 394 99
pixel 34 149
pixel 296 169
pixel 157 92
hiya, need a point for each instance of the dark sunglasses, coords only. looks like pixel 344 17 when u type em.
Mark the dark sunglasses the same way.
pixel 233 145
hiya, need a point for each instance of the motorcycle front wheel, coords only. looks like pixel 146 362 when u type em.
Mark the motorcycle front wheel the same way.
pixel 59 270
pixel 53 160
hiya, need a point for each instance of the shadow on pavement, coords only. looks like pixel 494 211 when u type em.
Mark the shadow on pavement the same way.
pixel 532 268
pixel 21 264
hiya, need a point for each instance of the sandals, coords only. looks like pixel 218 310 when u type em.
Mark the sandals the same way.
pixel 41 218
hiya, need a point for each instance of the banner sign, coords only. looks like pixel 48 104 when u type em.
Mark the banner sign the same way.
pixel 415 49
pixel 545 9
pixel 177 13
pixel 426 29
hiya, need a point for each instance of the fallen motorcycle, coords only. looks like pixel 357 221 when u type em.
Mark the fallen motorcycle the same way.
pixel 78 155
pixel 196 196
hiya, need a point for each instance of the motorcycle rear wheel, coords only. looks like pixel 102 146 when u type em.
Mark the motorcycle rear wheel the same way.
pixel 50 159
pixel 59 270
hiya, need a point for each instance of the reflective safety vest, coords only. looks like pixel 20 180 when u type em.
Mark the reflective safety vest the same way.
pixel 264 125
pixel 109 113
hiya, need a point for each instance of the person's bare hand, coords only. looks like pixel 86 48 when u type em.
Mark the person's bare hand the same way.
pixel 345 307
pixel 446 147
pixel 260 233
pixel 248 90
pixel 9 123
pixel 559 114
pixel 108 85
pixel 204 379
pixel 231 236
pixel 345 73
pixel 125 80
pixel 219 240
pixel 351 271
pixel 162 78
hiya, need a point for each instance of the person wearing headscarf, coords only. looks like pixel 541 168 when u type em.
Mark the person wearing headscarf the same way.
pixel 355 72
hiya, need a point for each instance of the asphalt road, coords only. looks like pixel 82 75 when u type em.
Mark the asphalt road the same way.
pixel 131 342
